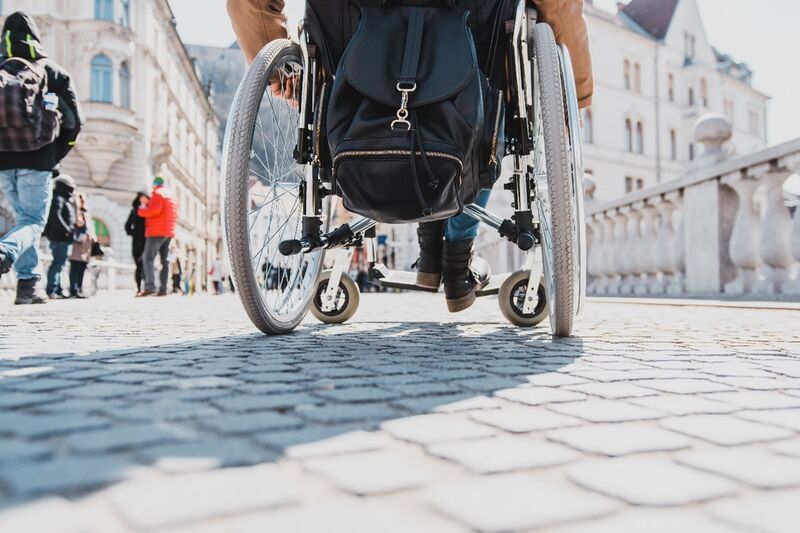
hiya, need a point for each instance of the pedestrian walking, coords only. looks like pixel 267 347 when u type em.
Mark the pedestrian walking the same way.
pixel 59 231
pixel 31 146
pixel 160 217
pixel 82 242
pixel 176 272
pixel 215 273
pixel 134 227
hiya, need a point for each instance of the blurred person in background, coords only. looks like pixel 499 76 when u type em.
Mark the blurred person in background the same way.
pixel 82 242
pixel 176 272
pixel 59 231
pixel 160 215
pixel 30 150
pixel 134 227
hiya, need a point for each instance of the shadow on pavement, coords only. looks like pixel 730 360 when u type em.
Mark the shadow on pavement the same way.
pixel 72 424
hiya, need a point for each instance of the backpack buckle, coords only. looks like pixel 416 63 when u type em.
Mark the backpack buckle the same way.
pixel 405 89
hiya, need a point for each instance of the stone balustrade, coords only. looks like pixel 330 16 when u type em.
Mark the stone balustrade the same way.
pixel 724 229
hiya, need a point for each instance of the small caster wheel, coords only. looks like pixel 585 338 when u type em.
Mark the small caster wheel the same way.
pixel 345 302
pixel 512 297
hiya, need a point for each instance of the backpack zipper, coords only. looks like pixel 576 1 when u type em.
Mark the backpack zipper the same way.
pixel 493 151
pixel 318 128
pixel 367 153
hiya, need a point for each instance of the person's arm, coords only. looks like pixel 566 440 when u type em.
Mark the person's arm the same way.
pixel 73 119
pixel 154 206
pixel 130 227
pixel 568 23
pixel 257 22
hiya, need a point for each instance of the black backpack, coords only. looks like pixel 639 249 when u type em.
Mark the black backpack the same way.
pixel 25 124
pixel 413 127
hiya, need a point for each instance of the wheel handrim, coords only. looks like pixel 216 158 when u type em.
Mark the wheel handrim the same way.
pixel 274 205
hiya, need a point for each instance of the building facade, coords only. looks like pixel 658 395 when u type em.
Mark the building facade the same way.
pixel 147 112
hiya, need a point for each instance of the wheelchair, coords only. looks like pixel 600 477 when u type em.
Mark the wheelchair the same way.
pixel 281 214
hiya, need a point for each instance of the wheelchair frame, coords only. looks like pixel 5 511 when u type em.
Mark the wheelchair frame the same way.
pixel 524 142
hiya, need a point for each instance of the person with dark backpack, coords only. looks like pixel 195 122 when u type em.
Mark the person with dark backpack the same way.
pixel 39 122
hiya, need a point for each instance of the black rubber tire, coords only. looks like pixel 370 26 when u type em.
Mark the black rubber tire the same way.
pixel 507 295
pixel 349 290
pixel 236 159
pixel 564 251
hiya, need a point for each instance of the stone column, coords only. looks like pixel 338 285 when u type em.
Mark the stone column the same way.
pixel 648 249
pixel 617 252
pixel 595 246
pixel 676 283
pixel 744 237
pixel 628 259
pixel 793 287
pixel 607 253
pixel 774 240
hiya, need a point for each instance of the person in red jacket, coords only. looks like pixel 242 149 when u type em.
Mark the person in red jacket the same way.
pixel 160 215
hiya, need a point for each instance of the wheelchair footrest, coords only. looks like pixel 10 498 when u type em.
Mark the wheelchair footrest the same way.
pixel 406 280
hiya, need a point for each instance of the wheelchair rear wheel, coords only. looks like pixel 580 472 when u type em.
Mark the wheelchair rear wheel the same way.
pixel 559 191
pixel 264 195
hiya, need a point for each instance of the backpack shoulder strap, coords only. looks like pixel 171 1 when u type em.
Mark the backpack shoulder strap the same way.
pixel 22 60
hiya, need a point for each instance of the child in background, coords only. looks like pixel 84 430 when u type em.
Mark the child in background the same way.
pixel 79 260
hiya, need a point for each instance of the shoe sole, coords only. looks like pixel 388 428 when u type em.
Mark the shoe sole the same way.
pixel 457 305
pixel 428 280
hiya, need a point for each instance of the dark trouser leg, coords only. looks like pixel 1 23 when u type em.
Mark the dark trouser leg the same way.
pixel 74 284
pixel 60 252
pixel 163 252
pixel 151 246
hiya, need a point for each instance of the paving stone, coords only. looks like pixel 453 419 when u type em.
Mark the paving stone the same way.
pixel 424 388
pixel 370 473
pixel 619 439
pixel 246 423
pixel 122 437
pixel 487 383
pixel 343 413
pixel 725 430
pixel 611 391
pixel 787 447
pixel 539 395
pixel 15 400
pixel 13 451
pixel 523 419
pixel 260 402
pixel 202 496
pixel 683 386
pixel 426 404
pixel 754 466
pixel 596 410
pixel 45 425
pixel 683 404
pixel 512 502
pixel 351 442
pixel 554 379
pixel 604 375
pixel 771 512
pixel 196 383
pixel 163 410
pixel 347 516
pixel 51 515
pixel 473 403
pixel 752 383
pixel 503 454
pixel 72 474
pixel 757 399
pixel 435 428
pixel 203 454
pixel 652 521
pixel 359 394
pixel 45 384
pixel 648 480
pixel 786 418
pixel 104 390
pixel 128 377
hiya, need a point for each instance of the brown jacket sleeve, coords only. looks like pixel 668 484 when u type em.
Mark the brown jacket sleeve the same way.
pixel 257 22
pixel 569 25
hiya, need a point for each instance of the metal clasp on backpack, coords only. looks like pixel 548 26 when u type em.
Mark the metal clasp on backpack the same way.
pixel 402 113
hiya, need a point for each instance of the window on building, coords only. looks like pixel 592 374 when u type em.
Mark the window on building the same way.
pixel 627 72
pixel 673 145
pixel 104 10
pixel 691 96
pixel 101 231
pixel 628 184
pixel 639 183
pixel 691 152
pixel 101 79
pixel 689 45
pixel 754 123
pixel 588 126
pixel 124 85
pixel 729 109
pixel 671 87
pixel 628 135
pixel 639 138
pixel 704 92
pixel 125 13
pixel 637 78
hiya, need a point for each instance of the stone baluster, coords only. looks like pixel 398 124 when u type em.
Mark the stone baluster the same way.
pixel 595 249
pixel 631 270
pixel 792 287
pixel 664 256
pixel 774 244
pixel 607 253
pixel 743 247
pixel 676 283
pixel 648 249
pixel 617 252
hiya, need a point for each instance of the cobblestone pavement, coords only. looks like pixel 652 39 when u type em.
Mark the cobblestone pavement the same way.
pixel 174 415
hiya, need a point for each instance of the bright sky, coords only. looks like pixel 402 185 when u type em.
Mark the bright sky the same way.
pixel 761 33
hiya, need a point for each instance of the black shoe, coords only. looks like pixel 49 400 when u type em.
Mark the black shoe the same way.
pixel 56 296
pixel 461 277
pixel 429 263
pixel 5 263
pixel 27 294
